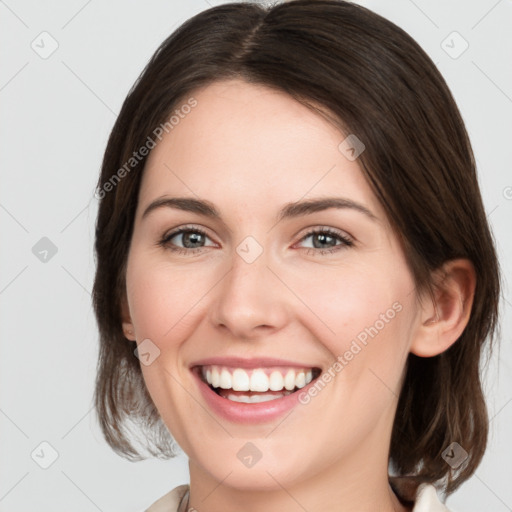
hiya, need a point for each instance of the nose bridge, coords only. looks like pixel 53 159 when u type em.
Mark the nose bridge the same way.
pixel 249 295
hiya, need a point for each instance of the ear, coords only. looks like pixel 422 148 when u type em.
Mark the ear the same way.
pixel 443 320
pixel 128 328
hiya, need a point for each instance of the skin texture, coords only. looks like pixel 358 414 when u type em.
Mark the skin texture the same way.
pixel 249 150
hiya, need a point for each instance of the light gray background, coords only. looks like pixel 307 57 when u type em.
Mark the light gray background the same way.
pixel 56 115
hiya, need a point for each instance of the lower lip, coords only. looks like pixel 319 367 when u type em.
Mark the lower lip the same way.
pixel 241 412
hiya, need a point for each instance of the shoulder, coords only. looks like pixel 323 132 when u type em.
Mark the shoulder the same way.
pixel 421 496
pixel 427 500
pixel 170 501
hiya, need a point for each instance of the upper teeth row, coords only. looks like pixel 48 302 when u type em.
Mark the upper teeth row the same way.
pixel 239 380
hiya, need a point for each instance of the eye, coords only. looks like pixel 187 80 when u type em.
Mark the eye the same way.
pixel 190 236
pixel 193 238
pixel 324 241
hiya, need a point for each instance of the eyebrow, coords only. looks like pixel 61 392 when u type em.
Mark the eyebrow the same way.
pixel 290 210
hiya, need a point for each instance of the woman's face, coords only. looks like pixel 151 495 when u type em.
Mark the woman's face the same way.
pixel 253 285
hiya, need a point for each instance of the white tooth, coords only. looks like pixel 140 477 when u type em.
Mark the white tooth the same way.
pixel 240 380
pixel 259 381
pixel 262 398
pixel 300 379
pixel 276 381
pixel 225 379
pixel 215 377
pixel 239 398
pixel 253 399
pixel 289 380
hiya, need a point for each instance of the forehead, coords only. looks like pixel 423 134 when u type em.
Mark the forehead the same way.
pixel 255 146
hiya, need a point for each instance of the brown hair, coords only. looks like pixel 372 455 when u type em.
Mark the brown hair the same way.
pixel 371 79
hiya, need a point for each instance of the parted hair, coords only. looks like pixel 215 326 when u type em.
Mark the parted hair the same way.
pixel 370 78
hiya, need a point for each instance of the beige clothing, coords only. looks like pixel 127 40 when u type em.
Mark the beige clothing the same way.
pixel 426 500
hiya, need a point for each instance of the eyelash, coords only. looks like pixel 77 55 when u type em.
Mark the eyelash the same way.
pixel 346 242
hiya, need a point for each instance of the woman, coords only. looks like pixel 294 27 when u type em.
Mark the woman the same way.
pixel 295 275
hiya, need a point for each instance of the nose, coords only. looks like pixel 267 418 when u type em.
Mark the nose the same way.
pixel 250 301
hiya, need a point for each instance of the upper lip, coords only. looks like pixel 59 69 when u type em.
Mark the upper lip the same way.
pixel 256 362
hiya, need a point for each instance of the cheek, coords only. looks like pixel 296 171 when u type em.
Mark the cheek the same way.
pixel 348 300
pixel 161 301
pixel 363 317
pixel 161 297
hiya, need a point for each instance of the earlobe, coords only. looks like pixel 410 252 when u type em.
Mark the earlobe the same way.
pixel 443 320
pixel 128 328
pixel 128 331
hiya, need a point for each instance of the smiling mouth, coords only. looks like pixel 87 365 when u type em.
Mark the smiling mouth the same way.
pixel 255 385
